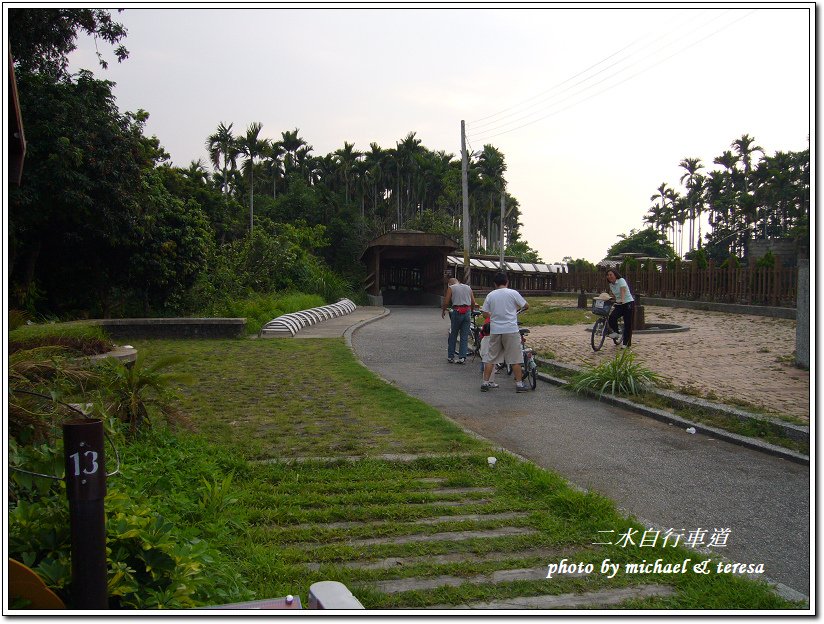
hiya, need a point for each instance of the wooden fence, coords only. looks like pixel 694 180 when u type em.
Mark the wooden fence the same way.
pixel 745 285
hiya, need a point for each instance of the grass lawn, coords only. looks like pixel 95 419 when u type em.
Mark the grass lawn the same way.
pixel 444 518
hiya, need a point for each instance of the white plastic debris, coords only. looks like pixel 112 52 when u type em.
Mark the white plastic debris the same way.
pixel 491 461
pixel 691 430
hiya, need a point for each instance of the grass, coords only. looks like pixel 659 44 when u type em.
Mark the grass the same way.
pixel 264 402
pixel 620 375
pixel 753 428
pixel 259 309
pixel 81 338
pixel 546 311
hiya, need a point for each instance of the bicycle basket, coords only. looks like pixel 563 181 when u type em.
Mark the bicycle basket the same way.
pixel 601 307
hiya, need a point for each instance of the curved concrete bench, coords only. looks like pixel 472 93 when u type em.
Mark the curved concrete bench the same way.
pixel 293 322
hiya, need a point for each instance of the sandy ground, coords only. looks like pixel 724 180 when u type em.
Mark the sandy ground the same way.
pixel 722 356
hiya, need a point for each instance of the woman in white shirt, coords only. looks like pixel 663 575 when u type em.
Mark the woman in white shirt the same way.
pixel 624 304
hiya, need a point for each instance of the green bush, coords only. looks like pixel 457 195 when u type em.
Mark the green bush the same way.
pixel 260 309
pixel 767 261
pixel 152 562
pixel 83 339
pixel 133 393
pixel 620 375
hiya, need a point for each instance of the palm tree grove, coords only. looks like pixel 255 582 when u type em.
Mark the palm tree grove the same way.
pixel 103 224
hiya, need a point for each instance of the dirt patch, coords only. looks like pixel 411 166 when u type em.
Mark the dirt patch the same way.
pixel 732 357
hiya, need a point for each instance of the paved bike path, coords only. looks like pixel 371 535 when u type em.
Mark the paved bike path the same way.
pixel 662 475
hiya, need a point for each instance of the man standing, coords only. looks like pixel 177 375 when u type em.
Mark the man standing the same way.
pixel 502 306
pixel 462 299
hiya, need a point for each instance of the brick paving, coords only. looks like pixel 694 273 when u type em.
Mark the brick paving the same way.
pixel 733 357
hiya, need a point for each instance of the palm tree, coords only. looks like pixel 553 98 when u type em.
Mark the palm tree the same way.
pixel 222 147
pixel 273 158
pixel 491 166
pixel 346 159
pixel 745 148
pixel 196 172
pixel 375 163
pixel 405 153
pixel 252 146
pixel 291 143
pixel 691 165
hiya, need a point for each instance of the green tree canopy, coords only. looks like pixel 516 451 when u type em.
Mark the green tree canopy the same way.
pixel 41 39
pixel 647 241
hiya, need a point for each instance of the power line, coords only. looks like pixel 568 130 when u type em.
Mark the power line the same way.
pixel 505 124
pixel 602 70
pixel 492 132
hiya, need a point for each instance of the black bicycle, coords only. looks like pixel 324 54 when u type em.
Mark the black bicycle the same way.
pixel 600 330
pixel 474 342
pixel 529 367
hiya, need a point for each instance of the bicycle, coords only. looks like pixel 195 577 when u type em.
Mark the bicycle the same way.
pixel 474 343
pixel 529 367
pixel 600 330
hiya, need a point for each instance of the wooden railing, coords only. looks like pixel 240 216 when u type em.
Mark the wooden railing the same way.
pixel 745 285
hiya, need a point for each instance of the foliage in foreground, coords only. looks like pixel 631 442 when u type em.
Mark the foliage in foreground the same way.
pixel 620 375
pixel 155 524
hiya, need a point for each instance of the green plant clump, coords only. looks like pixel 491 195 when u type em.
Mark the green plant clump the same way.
pixel 155 558
pixel 259 309
pixel 82 338
pixel 621 375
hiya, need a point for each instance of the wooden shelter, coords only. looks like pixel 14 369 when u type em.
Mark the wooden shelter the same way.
pixel 407 267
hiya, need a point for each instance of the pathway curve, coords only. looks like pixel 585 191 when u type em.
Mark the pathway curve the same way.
pixel 657 472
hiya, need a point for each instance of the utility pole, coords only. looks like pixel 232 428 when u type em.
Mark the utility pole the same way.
pixel 503 210
pixel 465 188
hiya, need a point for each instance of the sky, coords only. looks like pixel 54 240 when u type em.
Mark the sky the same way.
pixel 593 105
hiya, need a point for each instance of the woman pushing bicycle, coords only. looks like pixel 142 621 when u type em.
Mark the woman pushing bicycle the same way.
pixel 624 305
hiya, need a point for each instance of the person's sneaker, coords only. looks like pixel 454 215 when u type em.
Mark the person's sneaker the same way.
pixel 615 335
pixel 460 361
pixel 450 360
pixel 492 384
pixel 485 386
pixel 625 346
pixel 521 387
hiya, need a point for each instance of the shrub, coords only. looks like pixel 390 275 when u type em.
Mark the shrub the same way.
pixel 152 562
pixel 620 375
pixel 260 309
pixel 133 392
pixel 83 339
pixel 37 377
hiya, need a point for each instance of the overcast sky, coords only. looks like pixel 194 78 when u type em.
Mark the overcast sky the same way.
pixel 592 107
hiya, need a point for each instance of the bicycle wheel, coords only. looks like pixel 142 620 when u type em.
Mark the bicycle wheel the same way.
pixel 599 333
pixel 533 378
pixel 473 344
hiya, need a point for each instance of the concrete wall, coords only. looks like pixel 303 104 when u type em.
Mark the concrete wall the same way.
pixel 786 250
pixel 802 327
pixel 173 327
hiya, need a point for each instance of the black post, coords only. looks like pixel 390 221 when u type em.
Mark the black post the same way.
pixel 83 445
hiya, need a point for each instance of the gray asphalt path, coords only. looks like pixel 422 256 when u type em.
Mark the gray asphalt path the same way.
pixel 662 475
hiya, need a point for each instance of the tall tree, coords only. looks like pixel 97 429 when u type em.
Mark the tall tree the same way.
pixel 491 167
pixel 42 38
pixel 346 158
pixel 252 146
pixel 691 166
pixel 223 152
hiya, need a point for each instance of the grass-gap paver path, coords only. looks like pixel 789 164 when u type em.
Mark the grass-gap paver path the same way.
pixel 346 478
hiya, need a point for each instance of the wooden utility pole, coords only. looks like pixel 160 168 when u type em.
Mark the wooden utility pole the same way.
pixel 503 210
pixel 465 188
